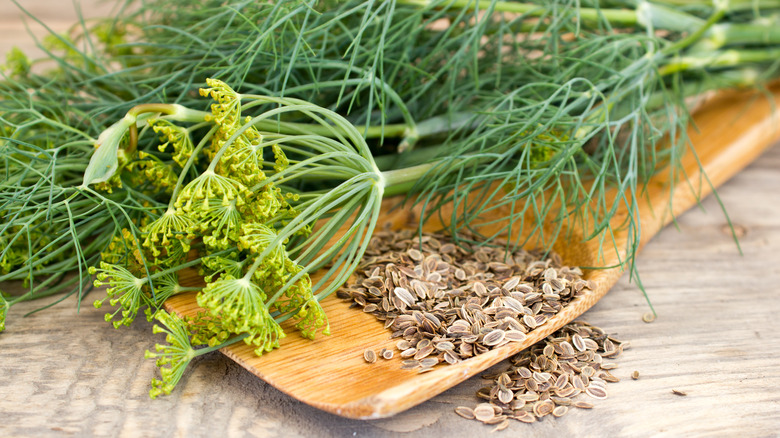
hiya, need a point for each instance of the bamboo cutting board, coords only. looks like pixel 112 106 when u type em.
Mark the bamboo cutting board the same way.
pixel 330 373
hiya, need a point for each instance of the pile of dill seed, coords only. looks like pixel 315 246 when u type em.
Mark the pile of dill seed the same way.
pixel 447 303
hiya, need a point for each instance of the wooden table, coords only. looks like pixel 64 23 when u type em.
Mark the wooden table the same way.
pixel 69 374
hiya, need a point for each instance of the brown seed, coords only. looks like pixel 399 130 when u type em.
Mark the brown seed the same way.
pixel 501 426
pixel 409 364
pixel 404 295
pixel 515 336
pixel 525 417
pixel 465 412
pixel 505 395
pixel 635 375
pixel 484 412
pixel 596 392
pixel 579 344
pixel 409 352
pixel 369 356
pixel 387 354
pixel 648 317
pixel 678 392
pixel 543 408
pixel 493 338
pixel 415 255
pixel 429 362
pixel 582 405
pixel 560 411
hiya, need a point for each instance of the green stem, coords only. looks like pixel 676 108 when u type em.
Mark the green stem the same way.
pixel 725 58
pixel 231 341
pixel 625 17
pixel 186 265
pixel 401 181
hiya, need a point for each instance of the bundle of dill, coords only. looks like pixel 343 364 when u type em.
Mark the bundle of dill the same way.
pixel 309 114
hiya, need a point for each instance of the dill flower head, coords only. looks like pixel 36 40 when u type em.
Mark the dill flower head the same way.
pixel 164 287
pixel 243 158
pixel 214 266
pixel 173 358
pixel 150 173
pixel 239 305
pixel 125 249
pixel 174 136
pixel 227 109
pixel 195 196
pixel 279 273
pixel 124 290
pixel 163 231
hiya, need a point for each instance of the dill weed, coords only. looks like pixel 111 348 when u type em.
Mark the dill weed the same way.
pixel 360 80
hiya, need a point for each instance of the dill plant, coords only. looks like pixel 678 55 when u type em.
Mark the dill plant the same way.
pixel 505 110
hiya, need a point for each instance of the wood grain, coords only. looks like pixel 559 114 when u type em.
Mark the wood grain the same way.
pixel 64 373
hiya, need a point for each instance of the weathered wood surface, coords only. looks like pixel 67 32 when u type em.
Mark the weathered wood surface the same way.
pixel 69 374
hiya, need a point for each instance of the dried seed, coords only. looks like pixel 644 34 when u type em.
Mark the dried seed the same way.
pixel 582 404
pixel 515 336
pixel 501 426
pixel 387 354
pixel 525 417
pixel 560 411
pixel 409 364
pixel 465 412
pixel 415 255
pixel 484 412
pixel 543 408
pixel 429 362
pixel 596 392
pixel 404 295
pixel 505 395
pixel 678 392
pixel 409 352
pixel 369 356
pixel 648 317
pixel 493 338
pixel 635 375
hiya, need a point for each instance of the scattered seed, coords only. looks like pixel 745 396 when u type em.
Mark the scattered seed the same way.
pixel 465 412
pixel 635 375
pixel 387 354
pixel 369 356
pixel 596 392
pixel 525 417
pixel 678 392
pixel 560 411
pixel 501 426
pixel 582 404
pixel 484 412
pixel 648 317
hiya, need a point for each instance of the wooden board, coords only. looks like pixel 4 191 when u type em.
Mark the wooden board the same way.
pixel 730 131
pixel 65 373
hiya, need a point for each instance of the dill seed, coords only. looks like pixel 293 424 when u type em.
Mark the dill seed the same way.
pixel 452 303
pixel 544 380
pixel 369 356
pixel 635 375
pixel 678 392
pixel 648 317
